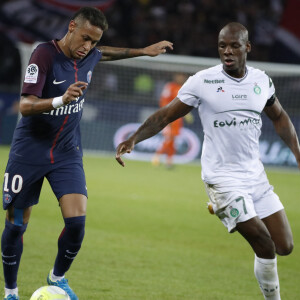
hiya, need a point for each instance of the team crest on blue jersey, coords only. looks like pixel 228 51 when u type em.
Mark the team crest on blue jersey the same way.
pixel 7 198
pixel 89 76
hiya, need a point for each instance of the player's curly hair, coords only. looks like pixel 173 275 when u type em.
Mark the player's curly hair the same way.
pixel 94 15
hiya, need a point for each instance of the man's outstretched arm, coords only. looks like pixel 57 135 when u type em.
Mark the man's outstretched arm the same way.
pixel 284 127
pixel 115 53
pixel 154 124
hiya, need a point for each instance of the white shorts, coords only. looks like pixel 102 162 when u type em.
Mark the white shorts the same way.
pixel 234 204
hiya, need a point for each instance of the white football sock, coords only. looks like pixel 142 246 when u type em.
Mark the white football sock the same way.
pixel 56 278
pixel 10 292
pixel 265 271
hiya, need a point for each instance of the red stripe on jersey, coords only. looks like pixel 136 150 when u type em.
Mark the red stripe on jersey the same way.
pixel 76 71
pixel 62 233
pixel 56 46
pixel 56 138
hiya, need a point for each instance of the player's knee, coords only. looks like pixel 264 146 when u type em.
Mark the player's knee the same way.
pixel 285 249
pixel 75 228
pixel 12 233
pixel 263 245
pixel 265 251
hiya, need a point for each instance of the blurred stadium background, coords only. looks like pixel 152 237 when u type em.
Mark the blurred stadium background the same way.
pixel 124 93
pixel 149 235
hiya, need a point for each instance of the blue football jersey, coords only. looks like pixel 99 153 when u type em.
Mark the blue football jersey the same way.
pixel 53 136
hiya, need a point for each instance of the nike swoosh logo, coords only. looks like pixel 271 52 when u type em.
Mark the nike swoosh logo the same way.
pixel 71 252
pixel 7 256
pixel 58 82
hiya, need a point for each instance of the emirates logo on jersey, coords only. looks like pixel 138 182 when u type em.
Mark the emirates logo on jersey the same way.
pixel 71 108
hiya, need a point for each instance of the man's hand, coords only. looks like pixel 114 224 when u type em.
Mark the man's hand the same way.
pixel 158 48
pixel 125 147
pixel 74 91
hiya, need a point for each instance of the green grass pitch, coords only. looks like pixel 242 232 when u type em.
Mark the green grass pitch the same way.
pixel 149 236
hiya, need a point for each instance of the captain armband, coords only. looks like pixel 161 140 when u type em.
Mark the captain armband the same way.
pixel 271 101
pixel 57 102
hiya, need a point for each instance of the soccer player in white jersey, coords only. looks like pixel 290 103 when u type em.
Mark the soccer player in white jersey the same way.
pixel 230 98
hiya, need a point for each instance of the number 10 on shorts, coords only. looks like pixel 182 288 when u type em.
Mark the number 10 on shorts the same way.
pixel 16 183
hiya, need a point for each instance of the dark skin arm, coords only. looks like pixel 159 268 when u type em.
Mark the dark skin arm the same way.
pixel 115 53
pixel 32 105
pixel 284 127
pixel 154 124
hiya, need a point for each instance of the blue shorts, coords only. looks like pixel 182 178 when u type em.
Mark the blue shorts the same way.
pixel 22 182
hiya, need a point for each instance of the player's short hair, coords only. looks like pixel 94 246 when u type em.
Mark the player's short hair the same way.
pixel 237 27
pixel 94 15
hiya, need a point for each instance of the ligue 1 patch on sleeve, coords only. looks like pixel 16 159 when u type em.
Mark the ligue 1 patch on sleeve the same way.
pixel 32 73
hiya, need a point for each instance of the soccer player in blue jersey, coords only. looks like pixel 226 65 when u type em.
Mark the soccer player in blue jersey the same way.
pixel 47 142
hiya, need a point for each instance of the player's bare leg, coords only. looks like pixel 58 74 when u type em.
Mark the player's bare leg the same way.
pixel 73 208
pixel 265 264
pixel 73 205
pixel 258 236
pixel 10 214
pixel 12 247
pixel 280 231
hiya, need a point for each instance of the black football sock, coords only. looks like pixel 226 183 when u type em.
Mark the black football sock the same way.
pixel 12 248
pixel 69 244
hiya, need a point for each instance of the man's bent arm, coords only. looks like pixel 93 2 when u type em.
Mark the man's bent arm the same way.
pixel 154 124
pixel 160 119
pixel 33 105
pixel 284 127
pixel 115 53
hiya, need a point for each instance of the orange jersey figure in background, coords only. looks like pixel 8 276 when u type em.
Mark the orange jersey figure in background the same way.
pixel 171 131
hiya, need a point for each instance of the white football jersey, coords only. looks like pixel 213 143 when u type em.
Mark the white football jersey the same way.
pixel 230 112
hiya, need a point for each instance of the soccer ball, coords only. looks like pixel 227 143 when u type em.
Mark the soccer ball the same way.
pixel 50 292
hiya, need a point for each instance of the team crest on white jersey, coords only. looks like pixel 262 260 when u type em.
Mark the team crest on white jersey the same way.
pixel 32 73
pixel 257 89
